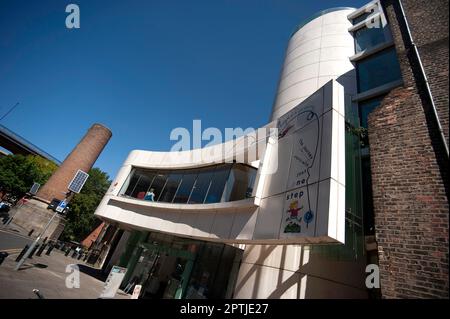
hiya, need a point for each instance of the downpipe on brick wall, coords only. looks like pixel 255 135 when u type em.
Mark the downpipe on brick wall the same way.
pixel 422 70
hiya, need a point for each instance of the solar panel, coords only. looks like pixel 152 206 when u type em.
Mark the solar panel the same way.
pixel 34 189
pixel 78 181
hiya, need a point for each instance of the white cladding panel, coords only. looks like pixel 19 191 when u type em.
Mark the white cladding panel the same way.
pixel 317 53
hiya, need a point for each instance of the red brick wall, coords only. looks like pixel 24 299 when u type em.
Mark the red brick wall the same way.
pixel 409 168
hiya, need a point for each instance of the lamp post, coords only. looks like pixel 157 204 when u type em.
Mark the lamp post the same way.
pixel 35 242
pixel 75 186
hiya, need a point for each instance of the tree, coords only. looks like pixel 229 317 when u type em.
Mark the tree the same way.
pixel 80 220
pixel 19 172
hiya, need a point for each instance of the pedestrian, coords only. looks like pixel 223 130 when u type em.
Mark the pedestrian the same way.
pixel 150 196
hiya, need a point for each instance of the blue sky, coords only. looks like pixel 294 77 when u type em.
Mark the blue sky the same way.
pixel 142 68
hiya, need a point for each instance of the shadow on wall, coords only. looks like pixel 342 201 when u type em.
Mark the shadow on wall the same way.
pixel 294 272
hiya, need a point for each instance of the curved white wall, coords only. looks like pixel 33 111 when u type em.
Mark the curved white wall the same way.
pixel 318 52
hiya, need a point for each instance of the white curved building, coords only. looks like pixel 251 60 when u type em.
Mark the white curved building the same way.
pixel 318 51
pixel 249 218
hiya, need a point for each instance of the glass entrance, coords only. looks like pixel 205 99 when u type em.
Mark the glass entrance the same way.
pixel 162 271
pixel 170 267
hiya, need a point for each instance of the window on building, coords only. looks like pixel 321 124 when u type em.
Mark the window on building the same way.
pixel 158 184
pixel 142 185
pixel 185 188
pixel 241 181
pixel 172 183
pixel 201 187
pixel 365 15
pixel 366 38
pixel 217 184
pixel 213 184
pixel 129 184
pixel 378 69
pixel 369 218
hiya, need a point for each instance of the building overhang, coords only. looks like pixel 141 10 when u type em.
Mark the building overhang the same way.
pixel 299 192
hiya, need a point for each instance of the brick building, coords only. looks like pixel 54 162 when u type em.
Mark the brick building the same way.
pixel 409 162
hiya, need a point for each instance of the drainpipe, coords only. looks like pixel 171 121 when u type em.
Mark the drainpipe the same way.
pixel 422 70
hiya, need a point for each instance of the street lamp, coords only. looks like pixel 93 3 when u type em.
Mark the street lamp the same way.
pixel 75 186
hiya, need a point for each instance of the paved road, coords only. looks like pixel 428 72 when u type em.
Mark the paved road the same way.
pixel 9 240
pixel 56 276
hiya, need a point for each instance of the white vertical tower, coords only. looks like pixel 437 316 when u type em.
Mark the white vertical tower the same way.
pixel 318 51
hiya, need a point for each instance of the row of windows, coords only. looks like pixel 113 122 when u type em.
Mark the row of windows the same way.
pixel 378 69
pixel 373 71
pixel 213 184
pixel 369 37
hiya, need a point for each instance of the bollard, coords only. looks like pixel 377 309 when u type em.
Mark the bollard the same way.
pixel 39 252
pixel 49 250
pixel 24 250
pixel 3 256
pixel 9 221
pixel 38 293
pixel 31 231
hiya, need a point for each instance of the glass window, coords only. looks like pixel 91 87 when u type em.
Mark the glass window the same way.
pixel 171 187
pixel 130 184
pixel 217 184
pixel 142 185
pixel 364 16
pixel 366 38
pixel 378 69
pixel 185 188
pixel 158 184
pixel 241 181
pixel 201 186
pixel 366 107
pixel 211 184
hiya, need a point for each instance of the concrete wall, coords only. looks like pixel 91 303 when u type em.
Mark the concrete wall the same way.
pixel 296 272
pixel 35 215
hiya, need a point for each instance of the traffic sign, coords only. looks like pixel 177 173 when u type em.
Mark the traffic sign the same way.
pixel 61 206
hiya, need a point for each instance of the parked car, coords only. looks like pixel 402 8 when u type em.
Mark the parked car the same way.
pixel 4 211
pixel 5 207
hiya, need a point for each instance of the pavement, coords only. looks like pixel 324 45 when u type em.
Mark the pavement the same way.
pixel 12 240
pixel 48 274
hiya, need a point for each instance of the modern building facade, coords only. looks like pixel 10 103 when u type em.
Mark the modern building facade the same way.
pixel 299 208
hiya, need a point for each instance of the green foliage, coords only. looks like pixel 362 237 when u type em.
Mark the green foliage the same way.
pixel 80 219
pixel 360 132
pixel 19 172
